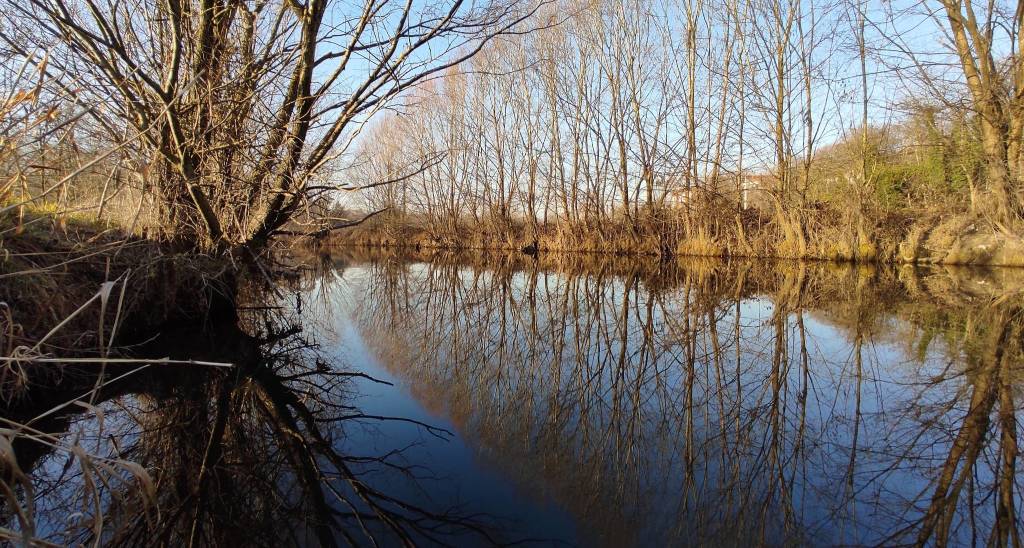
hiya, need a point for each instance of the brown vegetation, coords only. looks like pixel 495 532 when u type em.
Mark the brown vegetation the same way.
pixel 733 136
pixel 210 130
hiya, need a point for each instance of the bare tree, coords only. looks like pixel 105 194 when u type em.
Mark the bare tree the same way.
pixel 243 108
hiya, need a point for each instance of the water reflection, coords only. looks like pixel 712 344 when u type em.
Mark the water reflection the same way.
pixel 721 404
pixel 596 402
pixel 250 455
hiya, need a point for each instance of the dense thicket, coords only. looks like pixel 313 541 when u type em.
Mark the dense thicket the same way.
pixel 231 115
pixel 838 128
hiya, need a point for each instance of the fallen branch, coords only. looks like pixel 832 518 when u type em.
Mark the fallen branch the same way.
pixel 127 361
pixel 327 230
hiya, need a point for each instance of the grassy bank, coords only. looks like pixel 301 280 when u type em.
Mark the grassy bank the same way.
pixel 908 238
pixel 72 288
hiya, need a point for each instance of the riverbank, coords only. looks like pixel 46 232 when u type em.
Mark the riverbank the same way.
pixel 74 288
pixel 907 238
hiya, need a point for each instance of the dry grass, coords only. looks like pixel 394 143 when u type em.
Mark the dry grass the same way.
pixel 910 250
pixel 101 476
pixel 816 233
pixel 71 291
pixel 700 244
pixel 966 240
pixel 23 365
pixel 69 297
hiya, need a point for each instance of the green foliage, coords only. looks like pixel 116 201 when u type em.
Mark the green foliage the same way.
pixel 943 154
pixel 927 160
pixel 891 182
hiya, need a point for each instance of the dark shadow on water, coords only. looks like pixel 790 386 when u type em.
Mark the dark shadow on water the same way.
pixel 247 455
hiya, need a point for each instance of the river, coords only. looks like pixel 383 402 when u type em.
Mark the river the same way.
pixel 583 401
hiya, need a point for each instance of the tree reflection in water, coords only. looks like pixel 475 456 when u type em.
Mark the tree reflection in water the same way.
pixel 714 403
pixel 691 403
pixel 244 456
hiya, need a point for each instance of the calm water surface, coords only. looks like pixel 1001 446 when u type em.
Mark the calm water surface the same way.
pixel 565 402
pixel 624 404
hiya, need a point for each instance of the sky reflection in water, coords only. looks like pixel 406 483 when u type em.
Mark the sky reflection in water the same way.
pixel 594 403
pixel 706 404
